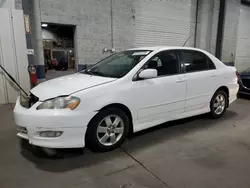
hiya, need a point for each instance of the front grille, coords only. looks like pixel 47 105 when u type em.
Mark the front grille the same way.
pixel 21 129
pixel 246 82
pixel 29 101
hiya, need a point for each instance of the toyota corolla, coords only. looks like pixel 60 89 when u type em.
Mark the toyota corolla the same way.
pixel 124 93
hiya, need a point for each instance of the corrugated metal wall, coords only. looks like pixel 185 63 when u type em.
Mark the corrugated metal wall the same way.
pixel 242 59
pixel 13 55
pixel 232 14
pixel 207 25
pixel 163 22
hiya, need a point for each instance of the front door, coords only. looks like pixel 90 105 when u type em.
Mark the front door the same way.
pixel 162 98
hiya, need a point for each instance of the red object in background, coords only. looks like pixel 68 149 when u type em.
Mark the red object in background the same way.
pixel 237 75
pixel 54 62
pixel 32 71
pixel 33 78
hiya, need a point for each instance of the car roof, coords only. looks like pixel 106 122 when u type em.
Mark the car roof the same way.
pixel 216 61
pixel 159 48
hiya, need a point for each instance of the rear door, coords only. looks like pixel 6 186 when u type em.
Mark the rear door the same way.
pixel 201 75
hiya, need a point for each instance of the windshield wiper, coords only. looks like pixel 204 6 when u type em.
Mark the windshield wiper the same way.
pixel 87 72
pixel 97 73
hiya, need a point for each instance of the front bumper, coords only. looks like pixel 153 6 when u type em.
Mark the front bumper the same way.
pixel 72 123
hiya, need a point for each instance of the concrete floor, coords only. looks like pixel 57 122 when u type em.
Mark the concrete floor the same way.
pixel 192 153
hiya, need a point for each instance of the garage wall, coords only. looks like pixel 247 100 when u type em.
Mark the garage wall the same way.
pixel 232 14
pixel 242 59
pixel 12 4
pixel 92 20
pixel 171 22
pixel 163 22
pixel 98 28
pixel 7 4
pixel 123 23
pixel 93 25
pixel 207 24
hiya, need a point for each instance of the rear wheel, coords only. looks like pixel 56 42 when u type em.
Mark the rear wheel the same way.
pixel 107 130
pixel 218 104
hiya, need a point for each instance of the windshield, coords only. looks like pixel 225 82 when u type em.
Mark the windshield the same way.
pixel 118 64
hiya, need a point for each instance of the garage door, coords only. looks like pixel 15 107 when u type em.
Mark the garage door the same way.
pixel 242 59
pixel 163 22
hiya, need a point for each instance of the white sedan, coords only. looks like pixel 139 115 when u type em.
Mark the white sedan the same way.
pixel 127 92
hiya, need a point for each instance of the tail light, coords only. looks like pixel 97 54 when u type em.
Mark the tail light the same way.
pixel 237 75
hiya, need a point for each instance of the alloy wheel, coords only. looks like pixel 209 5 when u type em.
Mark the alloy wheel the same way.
pixel 219 104
pixel 110 130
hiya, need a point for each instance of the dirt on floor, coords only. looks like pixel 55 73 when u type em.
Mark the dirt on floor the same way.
pixel 192 153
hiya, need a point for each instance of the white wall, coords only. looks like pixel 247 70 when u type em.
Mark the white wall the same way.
pixel 160 22
pixel 13 55
pixel 232 14
pixel 11 4
pixel 242 59
pixel 7 4
pixel 207 24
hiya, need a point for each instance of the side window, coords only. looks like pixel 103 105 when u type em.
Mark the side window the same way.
pixel 210 64
pixel 196 61
pixel 166 63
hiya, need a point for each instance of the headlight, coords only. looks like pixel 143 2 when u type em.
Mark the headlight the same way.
pixel 60 103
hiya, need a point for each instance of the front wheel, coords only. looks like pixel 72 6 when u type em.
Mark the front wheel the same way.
pixel 218 104
pixel 107 130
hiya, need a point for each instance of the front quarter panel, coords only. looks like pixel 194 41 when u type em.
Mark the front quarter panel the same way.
pixel 94 99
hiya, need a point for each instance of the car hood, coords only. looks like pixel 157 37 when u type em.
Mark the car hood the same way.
pixel 67 85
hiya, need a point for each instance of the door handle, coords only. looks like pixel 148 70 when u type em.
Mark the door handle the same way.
pixel 181 80
pixel 213 76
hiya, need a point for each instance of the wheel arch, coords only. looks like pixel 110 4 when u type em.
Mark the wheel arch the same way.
pixel 226 90
pixel 125 109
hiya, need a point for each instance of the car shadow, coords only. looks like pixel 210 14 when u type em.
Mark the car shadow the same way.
pixel 173 129
pixel 71 159
pixel 244 96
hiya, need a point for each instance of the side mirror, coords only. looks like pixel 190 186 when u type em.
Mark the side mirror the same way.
pixel 148 73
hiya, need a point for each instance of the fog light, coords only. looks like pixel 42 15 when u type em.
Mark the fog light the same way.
pixel 50 134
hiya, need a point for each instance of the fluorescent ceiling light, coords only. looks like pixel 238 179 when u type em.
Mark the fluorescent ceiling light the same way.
pixel 44 25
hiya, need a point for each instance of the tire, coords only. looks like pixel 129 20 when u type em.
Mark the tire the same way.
pixel 217 100
pixel 107 130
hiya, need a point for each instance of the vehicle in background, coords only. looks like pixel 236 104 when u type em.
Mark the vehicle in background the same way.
pixel 126 92
pixel 244 82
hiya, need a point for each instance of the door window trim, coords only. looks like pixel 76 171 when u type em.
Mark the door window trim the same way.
pixel 177 53
pixel 183 67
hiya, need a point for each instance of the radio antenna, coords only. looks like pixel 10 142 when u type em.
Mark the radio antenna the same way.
pixel 186 41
